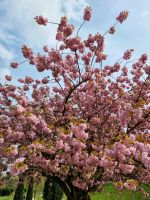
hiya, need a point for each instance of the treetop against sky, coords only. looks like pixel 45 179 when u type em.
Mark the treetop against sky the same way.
pixel 19 28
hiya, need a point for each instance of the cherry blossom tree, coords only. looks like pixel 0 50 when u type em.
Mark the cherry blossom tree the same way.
pixel 86 123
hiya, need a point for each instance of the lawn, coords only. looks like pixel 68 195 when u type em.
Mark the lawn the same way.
pixel 109 193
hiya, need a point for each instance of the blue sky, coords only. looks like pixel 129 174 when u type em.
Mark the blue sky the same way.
pixel 17 27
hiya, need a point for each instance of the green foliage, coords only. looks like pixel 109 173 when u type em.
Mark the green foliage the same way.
pixel 51 190
pixel 7 185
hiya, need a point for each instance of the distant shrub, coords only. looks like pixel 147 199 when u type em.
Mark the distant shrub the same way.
pixel 5 191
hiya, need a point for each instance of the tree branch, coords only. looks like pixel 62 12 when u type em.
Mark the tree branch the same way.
pixel 63 185
pixel 68 96
pixel 138 123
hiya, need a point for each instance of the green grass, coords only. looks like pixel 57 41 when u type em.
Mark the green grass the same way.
pixel 11 197
pixel 108 193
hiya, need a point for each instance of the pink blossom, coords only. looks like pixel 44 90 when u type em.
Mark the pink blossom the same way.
pixel 32 135
pixel 112 30
pixel 29 80
pixel 68 30
pixel 26 87
pixel 20 80
pixel 127 54
pixel 13 170
pixel 27 52
pixel 123 118
pixel 79 131
pixel 41 20
pixel 146 160
pixel 23 101
pixel 1 140
pixel 18 167
pixel 14 65
pixel 87 14
pixel 45 48
pixel 13 150
pixel 107 164
pixel 92 160
pixel 143 58
pixel 8 78
pixel 59 36
pixel 147 148
pixel 122 16
pixel 95 120
pixel 20 109
pixel 147 69
pixel 126 169
pixel 79 183
pixel 130 185
pixel 45 80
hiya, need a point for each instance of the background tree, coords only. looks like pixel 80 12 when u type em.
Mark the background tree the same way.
pixel 30 189
pixel 52 190
pixel 7 184
pixel 19 192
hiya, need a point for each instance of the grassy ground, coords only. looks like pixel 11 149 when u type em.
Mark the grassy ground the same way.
pixel 109 193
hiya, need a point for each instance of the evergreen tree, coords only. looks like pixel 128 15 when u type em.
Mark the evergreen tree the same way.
pixel 30 190
pixel 52 190
pixel 19 193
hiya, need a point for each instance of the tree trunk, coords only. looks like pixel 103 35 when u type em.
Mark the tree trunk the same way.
pixel 79 194
pixel 30 190
pixel 72 193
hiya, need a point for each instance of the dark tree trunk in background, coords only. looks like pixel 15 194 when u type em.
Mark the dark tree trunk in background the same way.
pixel 72 193
pixel 19 193
pixel 52 190
pixel 30 190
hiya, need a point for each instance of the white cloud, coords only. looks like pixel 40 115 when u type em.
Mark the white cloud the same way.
pixel 73 8
pixel 144 14
pixel 5 53
pixel 4 71
pixel 18 18
pixel 18 26
pixel 5 57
